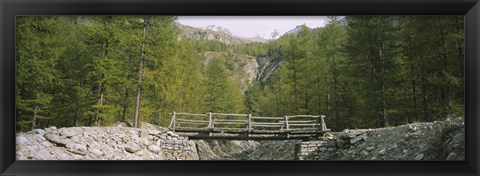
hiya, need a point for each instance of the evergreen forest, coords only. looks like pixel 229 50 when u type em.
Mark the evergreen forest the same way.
pixel 358 71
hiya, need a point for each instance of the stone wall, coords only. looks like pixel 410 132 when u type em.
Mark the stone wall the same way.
pixel 322 149
pixel 103 143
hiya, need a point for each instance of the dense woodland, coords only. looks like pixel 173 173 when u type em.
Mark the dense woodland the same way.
pixel 361 72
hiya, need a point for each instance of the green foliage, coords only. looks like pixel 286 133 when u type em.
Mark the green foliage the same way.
pixel 361 72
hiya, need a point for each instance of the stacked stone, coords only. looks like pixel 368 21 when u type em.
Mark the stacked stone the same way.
pixel 322 149
pixel 104 143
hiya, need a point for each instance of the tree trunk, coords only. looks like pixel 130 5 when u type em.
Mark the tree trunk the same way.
pixel 125 103
pixel 101 85
pixel 414 92
pixel 295 84
pixel 34 120
pixel 384 102
pixel 137 122
pixel 100 103
pixel 425 97
pixel 319 93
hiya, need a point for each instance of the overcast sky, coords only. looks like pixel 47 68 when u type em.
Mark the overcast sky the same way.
pixel 249 26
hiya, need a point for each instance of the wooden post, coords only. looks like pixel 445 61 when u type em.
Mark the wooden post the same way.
pixel 249 126
pixel 286 122
pixel 210 124
pixel 286 126
pixel 324 126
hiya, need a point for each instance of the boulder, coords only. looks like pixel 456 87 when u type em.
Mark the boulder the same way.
pixel 419 157
pixel 132 147
pixel 57 140
pixel 154 148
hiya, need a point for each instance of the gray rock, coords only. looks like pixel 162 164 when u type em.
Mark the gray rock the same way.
pixel 355 140
pixel 419 156
pixel 345 134
pixel 69 134
pixel 78 157
pixel 370 148
pixel 154 148
pixel 37 131
pixel 44 154
pixel 55 139
pixel 381 152
pixel 47 144
pixel 20 140
pixel 64 156
pixel 154 132
pixel 95 151
pixel 452 156
pixel 83 153
pixel 143 141
pixel 80 147
pixel 75 139
pixel 52 128
pixel 132 147
pixel 143 134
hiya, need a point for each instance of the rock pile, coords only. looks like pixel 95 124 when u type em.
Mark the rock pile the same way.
pixel 104 143
pixel 419 141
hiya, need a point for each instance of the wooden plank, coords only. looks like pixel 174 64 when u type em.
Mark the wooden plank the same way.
pixel 230 130
pixel 188 114
pixel 306 124
pixel 236 115
pixel 229 123
pixel 271 126
pixel 300 121
pixel 268 118
pixel 228 120
pixel 254 131
pixel 186 129
pixel 304 129
pixel 293 116
pixel 267 123
pixel 194 121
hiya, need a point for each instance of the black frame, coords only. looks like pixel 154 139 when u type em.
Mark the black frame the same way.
pixel 11 8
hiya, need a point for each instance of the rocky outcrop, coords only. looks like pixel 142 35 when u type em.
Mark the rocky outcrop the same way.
pixel 419 141
pixel 104 143
pixel 266 66
pixel 188 32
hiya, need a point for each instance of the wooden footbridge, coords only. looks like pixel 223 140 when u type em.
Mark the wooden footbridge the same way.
pixel 246 126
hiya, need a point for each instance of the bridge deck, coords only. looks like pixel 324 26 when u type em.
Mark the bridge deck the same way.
pixel 246 126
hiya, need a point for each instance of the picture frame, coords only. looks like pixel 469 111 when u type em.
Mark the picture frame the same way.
pixel 11 8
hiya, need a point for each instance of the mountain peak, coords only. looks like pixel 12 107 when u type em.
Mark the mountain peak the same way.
pixel 218 29
pixel 297 29
pixel 270 35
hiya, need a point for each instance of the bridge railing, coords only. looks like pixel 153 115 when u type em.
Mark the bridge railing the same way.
pixel 246 123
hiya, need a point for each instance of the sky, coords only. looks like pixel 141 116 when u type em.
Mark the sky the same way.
pixel 249 26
